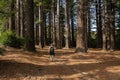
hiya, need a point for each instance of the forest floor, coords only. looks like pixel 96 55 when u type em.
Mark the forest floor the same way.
pixel 17 64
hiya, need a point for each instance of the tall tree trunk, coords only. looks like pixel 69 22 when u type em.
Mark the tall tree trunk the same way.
pixel 81 38
pixel 111 22
pixel 45 29
pixel 72 30
pixel 104 27
pixel 49 29
pixel 18 17
pixel 36 30
pixel 85 4
pixel 59 35
pixel 67 37
pixel 41 28
pixel 98 23
pixel 53 23
pixel 29 25
pixel 12 16
pixel 113 28
pixel 89 26
pixel 22 27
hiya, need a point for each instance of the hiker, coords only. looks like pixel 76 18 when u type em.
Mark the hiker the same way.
pixel 51 52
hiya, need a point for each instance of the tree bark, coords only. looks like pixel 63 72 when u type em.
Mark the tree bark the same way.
pixel 81 37
pixel 104 27
pixel 12 16
pixel 67 37
pixel 110 9
pixel 89 26
pixel 41 28
pixel 29 25
pixel 98 24
pixel 53 23
pixel 22 26
pixel 72 31
pixel 18 17
pixel 59 35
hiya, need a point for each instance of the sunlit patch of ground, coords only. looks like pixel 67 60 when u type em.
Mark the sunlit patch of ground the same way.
pixel 17 64
pixel 114 69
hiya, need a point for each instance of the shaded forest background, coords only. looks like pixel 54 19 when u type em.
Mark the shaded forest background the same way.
pixel 65 23
pixel 28 27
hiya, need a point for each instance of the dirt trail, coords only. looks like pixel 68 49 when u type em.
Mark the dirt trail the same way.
pixel 95 65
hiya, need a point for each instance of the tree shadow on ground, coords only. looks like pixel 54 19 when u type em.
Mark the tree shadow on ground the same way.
pixel 13 69
pixel 37 64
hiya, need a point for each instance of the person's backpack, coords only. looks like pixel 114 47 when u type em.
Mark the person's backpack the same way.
pixel 51 49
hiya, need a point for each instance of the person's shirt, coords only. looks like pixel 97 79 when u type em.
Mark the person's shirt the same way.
pixel 51 50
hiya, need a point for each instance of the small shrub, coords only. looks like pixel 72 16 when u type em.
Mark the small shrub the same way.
pixel 91 42
pixel 9 38
pixel 1 51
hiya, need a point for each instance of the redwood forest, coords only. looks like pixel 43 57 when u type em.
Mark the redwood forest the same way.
pixel 84 35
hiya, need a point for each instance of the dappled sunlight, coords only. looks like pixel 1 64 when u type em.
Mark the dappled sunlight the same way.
pixel 89 61
pixel 113 69
pixel 68 77
pixel 117 56
pixel 66 65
